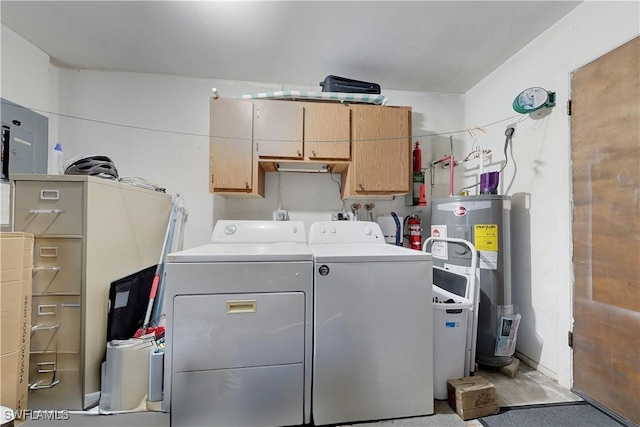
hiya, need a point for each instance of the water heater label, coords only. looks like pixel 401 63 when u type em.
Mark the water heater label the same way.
pixel 439 248
pixel 485 237
pixel 488 260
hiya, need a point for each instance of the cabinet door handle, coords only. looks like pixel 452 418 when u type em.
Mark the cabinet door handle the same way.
pixel 45 211
pixel 299 153
pixel 361 186
pixel 246 185
pixel 45 327
pixel 313 152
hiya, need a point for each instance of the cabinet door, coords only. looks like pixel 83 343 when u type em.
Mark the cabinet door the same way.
pixel 381 145
pixel 326 131
pixel 231 147
pixel 277 129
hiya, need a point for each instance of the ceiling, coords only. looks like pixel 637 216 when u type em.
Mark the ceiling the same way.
pixel 435 46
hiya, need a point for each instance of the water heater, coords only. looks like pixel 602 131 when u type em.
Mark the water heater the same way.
pixel 485 221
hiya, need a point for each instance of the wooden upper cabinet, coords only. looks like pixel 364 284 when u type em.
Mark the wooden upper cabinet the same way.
pixel 368 144
pixel 381 138
pixel 231 146
pixel 326 131
pixel 277 129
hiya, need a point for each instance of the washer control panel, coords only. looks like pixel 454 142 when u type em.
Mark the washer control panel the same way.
pixel 345 232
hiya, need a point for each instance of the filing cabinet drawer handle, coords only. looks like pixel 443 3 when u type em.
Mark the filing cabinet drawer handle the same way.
pixel 42 370
pixel 38 386
pixel 40 268
pixel 45 211
pixel 69 304
pixel 241 306
pixel 46 310
pixel 49 252
pixel 49 194
pixel 45 327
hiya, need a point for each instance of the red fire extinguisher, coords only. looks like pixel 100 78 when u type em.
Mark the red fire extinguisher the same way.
pixel 418 176
pixel 415 230
pixel 417 158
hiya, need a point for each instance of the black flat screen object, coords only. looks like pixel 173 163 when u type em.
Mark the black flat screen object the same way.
pixel 451 282
pixel 128 300
pixel 343 84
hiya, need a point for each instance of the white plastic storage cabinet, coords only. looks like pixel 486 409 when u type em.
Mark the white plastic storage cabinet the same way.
pixel 88 232
pixel 450 322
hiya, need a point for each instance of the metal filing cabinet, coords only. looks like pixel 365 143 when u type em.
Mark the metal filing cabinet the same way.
pixel 88 232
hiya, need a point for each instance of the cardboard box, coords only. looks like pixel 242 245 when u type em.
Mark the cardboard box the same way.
pixel 15 313
pixel 14 379
pixel 16 269
pixel 16 256
pixel 472 397
pixel 9 332
pixel 16 250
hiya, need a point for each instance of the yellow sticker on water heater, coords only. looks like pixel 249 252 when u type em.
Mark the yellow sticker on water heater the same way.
pixel 485 237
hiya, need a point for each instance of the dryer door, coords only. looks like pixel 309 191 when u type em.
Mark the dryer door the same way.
pixel 237 330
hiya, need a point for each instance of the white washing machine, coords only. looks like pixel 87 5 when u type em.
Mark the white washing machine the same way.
pixel 373 329
pixel 239 328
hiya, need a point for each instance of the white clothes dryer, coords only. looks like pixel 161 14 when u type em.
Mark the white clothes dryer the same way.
pixel 373 355
pixel 239 328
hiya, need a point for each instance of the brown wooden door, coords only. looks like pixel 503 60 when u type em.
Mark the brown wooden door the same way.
pixel 326 131
pixel 605 134
pixel 277 129
pixel 231 146
pixel 381 149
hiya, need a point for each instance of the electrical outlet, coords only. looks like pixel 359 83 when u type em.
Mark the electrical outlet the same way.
pixel 514 126
pixel 281 215
pixel 341 216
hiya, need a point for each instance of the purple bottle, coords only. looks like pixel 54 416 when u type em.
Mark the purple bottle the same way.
pixel 489 182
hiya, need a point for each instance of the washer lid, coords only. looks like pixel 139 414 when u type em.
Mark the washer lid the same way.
pixel 244 252
pixel 359 252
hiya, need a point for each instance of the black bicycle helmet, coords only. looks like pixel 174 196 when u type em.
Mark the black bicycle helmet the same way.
pixel 99 165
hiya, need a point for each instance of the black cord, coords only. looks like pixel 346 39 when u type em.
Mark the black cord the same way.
pixel 508 135
pixel 339 188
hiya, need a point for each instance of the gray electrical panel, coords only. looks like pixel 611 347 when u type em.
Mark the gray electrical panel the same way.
pixel 25 141
pixel 25 149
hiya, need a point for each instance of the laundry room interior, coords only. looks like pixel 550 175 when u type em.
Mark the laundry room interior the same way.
pixel 290 197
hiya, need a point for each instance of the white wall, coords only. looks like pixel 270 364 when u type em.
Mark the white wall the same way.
pixel 541 186
pixel 25 72
pixel 159 132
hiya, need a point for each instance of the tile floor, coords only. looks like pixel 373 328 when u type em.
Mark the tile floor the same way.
pixel 528 387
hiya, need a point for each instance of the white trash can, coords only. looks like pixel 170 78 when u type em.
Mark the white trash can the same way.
pixel 450 320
